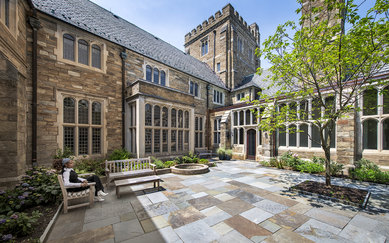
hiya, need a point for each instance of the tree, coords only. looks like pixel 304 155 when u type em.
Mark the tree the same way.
pixel 329 57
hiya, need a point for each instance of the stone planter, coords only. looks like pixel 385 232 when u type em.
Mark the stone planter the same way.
pixel 45 234
pixel 163 171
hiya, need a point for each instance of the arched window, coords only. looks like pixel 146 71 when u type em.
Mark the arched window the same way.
pixel 241 136
pixel 215 125
pixel 180 119
pixel 370 134
pixel 68 110
pixel 241 118
pixel 235 118
pixel 385 94
pixel 186 119
pixel 83 52
pixel 303 110
pixel 148 117
pixel 68 47
pixel 235 136
pixel 370 102
pixel 316 142
pixel 196 123
pixel 165 117
pixel 156 75
pixel 96 56
pixel 303 135
pixel 83 107
pixel 148 73
pixel 248 118
pixel 292 135
pixel 96 113
pixel 282 136
pixel 157 116
pixel 385 135
pixel 201 124
pixel 174 118
pixel 163 78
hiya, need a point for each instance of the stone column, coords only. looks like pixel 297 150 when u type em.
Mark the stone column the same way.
pixel 191 130
pixel 140 127
pixel 345 136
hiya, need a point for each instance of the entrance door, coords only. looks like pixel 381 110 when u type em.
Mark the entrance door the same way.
pixel 251 143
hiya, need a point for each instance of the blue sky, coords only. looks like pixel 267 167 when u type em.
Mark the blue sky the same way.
pixel 170 20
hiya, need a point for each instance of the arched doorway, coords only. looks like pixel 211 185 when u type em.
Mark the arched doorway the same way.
pixel 251 144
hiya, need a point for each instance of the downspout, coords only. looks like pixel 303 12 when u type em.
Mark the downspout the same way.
pixel 35 25
pixel 214 49
pixel 123 55
pixel 208 117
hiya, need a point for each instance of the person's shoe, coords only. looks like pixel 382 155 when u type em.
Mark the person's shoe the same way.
pixel 99 199
pixel 101 193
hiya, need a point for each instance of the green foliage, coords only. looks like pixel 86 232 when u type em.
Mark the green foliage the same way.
pixel 86 165
pixel 289 159
pixel 371 175
pixel 274 162
pixel 169 163
pixel 187 159
pixel 221 152
pixel 264 163
pixel 224 154
pixel 66 153
pixel 18 224
pixel 203 161
pixel 159 164
pixel 336 168
pixel 310 167
pixel 120 154
pixel 228 153
pixel 365 164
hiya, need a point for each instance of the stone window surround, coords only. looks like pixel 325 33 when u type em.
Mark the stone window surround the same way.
pixel 199 89
pixel 79 96
pixel 160 68
pixel 245 127
pixel 217 130
pixel 13 17
pixel 204 40
pixel 223 97
pixel 241 95
pixel 202 131
pixel 380 118
pixel 154 103
pixel 78 35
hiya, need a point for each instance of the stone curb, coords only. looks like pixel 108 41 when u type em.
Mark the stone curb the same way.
pixel 45 234
pixel 333 199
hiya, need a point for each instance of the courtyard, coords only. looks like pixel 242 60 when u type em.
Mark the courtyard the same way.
pixel 237 201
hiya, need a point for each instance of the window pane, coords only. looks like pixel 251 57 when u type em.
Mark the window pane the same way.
pixel 316 142
pixel 180 140
pixel 191 87
pixel 83 52
pixel 148 73
pixel 370 134
pixel 148 117
pixel 370 102
pixel 165 117
pixel 83 108
pixel 386 100
pixel 96 140
pixel 316 109
pixel 200 124
pixel 68 138
pixel 235 118
pixel 241 136
pixel 68 110
pixel 303 135
pixel 196 123
pixel 156 75
pixel 196 89
pixel 148 136
pixel 292 115
pixel 157 116
pixel 186 119
pixel 174 118
pixel 196 139
pixel 330 103
pixel 292 135
pixel 281 136
pixel 241 118
pixel 254 119
pixel 235 136
pixel 157 140
pixel 180 119
pixel 96 113
pixel 303 110
pixel 201 139
pixel 163 78
pixel 83 140
pixel 164 140
pixel 96 56
pixel 6 12
pixel 68 47
pixel 173 140
pixel 215 137
pixel 248 118
pixel 385 134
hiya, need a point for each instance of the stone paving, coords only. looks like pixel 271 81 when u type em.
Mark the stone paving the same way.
pixel 237 201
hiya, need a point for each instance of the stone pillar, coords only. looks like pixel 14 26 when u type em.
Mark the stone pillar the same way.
pixel 192 130
pixel 140 127
pixel 345 136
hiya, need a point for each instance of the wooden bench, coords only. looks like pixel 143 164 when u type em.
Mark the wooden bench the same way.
pixel 129 168
pixel 136 181
pixel 203 153
pixel 68 196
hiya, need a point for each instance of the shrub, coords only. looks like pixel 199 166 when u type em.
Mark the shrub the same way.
pixel 221 152
pixel 289 159
pixel 228 154
pixel 158 163
pixel 336 168
pixel 318 160
pixel 66 153
pixel 371 175
pixel 310 167
pixel 264 163
pixel 120 154
pixel 366 164
pixel 274 162
pixel 18 224
pixel 170 163
pixel 85 165
pixel 203 161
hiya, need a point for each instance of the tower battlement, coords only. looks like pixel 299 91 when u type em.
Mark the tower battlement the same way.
pixel 227 11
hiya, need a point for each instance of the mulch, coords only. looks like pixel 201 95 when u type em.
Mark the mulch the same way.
pixel 343 193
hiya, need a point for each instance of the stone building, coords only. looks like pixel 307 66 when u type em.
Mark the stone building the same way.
pixel 75 75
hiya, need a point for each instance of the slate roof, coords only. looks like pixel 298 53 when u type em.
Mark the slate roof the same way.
pixel 260 81
pixel 89 16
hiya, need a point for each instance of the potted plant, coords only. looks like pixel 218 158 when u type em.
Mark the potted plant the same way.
pixel 221 153
pixel 228 154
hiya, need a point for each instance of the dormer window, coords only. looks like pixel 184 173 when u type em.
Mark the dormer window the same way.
pixel 155 75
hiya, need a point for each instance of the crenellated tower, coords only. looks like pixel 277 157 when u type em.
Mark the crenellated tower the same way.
pixel 227 44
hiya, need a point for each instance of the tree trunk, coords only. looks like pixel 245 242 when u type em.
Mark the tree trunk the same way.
pixel 328 164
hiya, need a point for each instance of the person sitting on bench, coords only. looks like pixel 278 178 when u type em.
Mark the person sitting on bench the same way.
pixel 71 178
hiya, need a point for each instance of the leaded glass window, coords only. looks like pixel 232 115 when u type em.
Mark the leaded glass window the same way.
pixel 68 47
pixel 370 134
pixel 292 135
pixel 83 112
pixel 385 134
pixel 186 139
pixel 200 124
pixel 96 56
pixel 196 123
pixel 180 140
pixel 165 140
pixel 157 140
pixel 316 109
pixel 281 136
pixel 163 78
pixel 83 52
pixel 174 118
pixel 370 102
pixel 241 118
pixel 241 136
pixel 96 140
pixel 196 90
pixel 148 139
pixel 173 140
pixel 148 118
pixel 385 95
pixel 236 118
pixel 96 113
pixel 180 119
pixel 191 87
pixel 186 119
pixel 303 135
pixel 303 110
pixel 148 73
pixel 83 140
pixel 68 110
pixel 248 117
pixel 235 136
pixel 156 75
pixel 68 138
pixel 316 141
pixel 165 117
pixel 157 116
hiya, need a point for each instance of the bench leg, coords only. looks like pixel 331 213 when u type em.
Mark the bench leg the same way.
pixel 158 184
pixel 117 192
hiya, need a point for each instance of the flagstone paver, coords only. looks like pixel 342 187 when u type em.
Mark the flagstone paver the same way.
pixel 237 201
